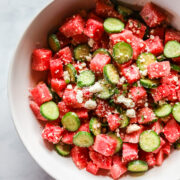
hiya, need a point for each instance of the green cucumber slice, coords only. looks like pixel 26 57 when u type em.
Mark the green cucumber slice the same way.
pixel 83 139
pixel 71 121
pixel 144 60
pixel 113 25
pixel 54 43
pixel 148 83
pixel 72 72
pixel 81 52
pixel 95 126
pixel 137 166
pixel 111 74
pixel 161 58
pixel 49 110
pixel 124 11
pixel 124 121
pixel 101 51
pixel 149 141
pixel 63 149
pixel 163 111
pixel 172 49
pixel 122 52
pixel 106 93
pixel 175 67
pixel 86 78
pixel 176 111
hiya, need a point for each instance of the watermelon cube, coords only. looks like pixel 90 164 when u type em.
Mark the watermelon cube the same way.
pixel 40 94
pixel 64 41
pixel 84 127
pixel 36 110
pixel 158 31
pixel 73 26
pixel 94 29
pixel 56 68
pixel 82 113
pixel 79 39
pixel 105 145
pixel 171 131
pixel 161 145
pixel 158 69
pixel 157 127
pixel 138 29
pixel 58 85
pixel 150 159
pixel 176 59
pixel 152 15
pixel 137 93
pixel 171 35
pixel 159 158
pixel 52 133
pixel 65 55
pixel 67 137
pixel 80 156
pixel 98 62
pixel 129 152
pixel 92 15
pixel 155 45
pixel 146 115
pixel 173 93
pixel 92 168
pixel 170 79
pixel 113 121
pixel 131 73
pixel 100 160
pixel 41 59
pixel 63 108
pixel 166 148
pixel 118 168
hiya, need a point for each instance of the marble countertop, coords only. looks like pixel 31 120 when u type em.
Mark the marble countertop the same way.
pixel 15 161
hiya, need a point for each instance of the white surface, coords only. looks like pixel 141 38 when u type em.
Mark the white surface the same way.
pixel 15 162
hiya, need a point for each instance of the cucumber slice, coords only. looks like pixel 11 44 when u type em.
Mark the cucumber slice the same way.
pixel 119 141
pixel 176 111
pixel 137 166
pixel 106 93
pixel 161 58
pixel 83 139
pixel 175 67
pixel 144 60
pixel 124 121
pixel 54 43
pixel 63 149
pixel 95 126
pixel 113 25
pixel 72 72
pixel 81 52
pixel 49 110
pixel 172 49
pixel 147 83
pixel 124 11
pixel 122 52
pixel 163 111
pixel 101 51
pixel 86 78
pixel 111 74
pixel 149 141
pixel 71 121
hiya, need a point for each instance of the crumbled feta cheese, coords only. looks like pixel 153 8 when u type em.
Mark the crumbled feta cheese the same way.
pixel 146 104
pixel 66 76
pixel 132 128
pixel 175 78
pixel 151 37
pixel 90 104
pixel 122 80
pixel 131 113
pixel 96 88
pixel 161 102
pixel 89 57
pixel 91 42
pixel 117 133
pixel 126 101
pixel 79 96
pixel 69 86
pixel 144 72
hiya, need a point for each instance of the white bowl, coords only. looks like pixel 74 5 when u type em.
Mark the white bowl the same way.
pixel 20 79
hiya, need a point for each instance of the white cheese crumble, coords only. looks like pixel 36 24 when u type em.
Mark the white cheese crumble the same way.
pixel 96 88
pixel 69 86
pixel 91 42
pixel 122 80
pixel 90 104
pixel 126 101
pixel 79 96
pixel 66 76
pixel 132 128
pixel 131 113
pixel 144 72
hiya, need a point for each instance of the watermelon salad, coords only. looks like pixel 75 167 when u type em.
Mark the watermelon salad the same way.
pixel 111 98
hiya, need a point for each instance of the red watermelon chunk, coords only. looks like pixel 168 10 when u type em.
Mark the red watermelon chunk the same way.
pixel 94 29
pixel 158 69
pixel 84 127
pixel 58 85
pixel 158 31
pixel 80 156
pixel 67 137
pixel 157 127
pixel 131 73
pixel 170 79
pixel 98 62
pixel 63 108
pixel 113 121
pixel 171 35
pixel 92 168
pixel 56 67
pixel 82 113
pixel 73 26
pixel 64 41
pixel 79 39
pixel 41 59
pixel 155 45
pixel 118 168
pixel 161 145
pixel 52 133
pixel 92 15
pixel 171 131
pixel 152 15
pixel 105 145
pixel 137 28
pixel 101 161
pixel 146 115
pixel 36 110
pixel 159 158
pixel 137 93
pixel 166 148
pixel 150 159
pixel 129 152
pixel 40 94
pixel 173 93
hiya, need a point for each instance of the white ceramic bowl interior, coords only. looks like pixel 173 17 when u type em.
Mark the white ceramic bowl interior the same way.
pixel 20 79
